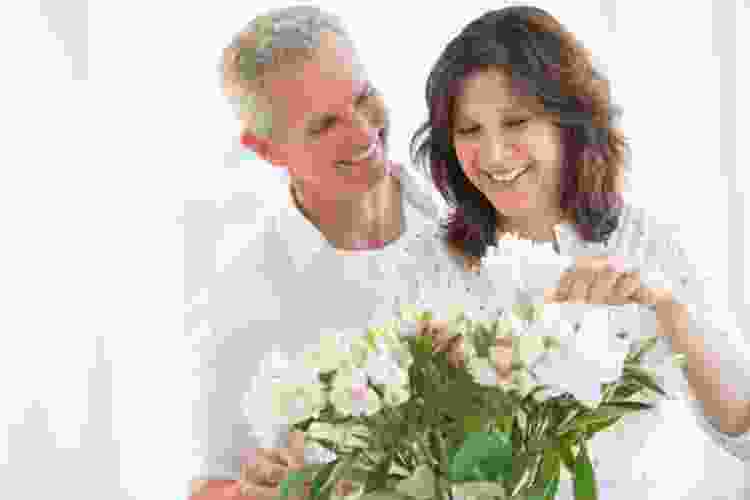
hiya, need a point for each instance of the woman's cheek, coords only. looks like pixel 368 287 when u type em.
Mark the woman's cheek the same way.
pixel 520 152
pixel 468 156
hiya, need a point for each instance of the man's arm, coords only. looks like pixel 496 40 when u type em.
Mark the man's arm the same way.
pixel 214 489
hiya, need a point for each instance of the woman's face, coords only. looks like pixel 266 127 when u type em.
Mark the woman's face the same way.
pixel 495 134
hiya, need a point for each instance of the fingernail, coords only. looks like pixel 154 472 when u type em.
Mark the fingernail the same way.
pixel 616 263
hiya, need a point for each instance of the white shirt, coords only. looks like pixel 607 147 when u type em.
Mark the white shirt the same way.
pixel 289 285
pixel 279 292
pixel 635 463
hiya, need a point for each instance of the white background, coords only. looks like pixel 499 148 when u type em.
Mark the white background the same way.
pixel 112 118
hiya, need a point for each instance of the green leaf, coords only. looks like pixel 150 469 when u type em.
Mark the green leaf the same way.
pixel 383 494
pixel 480 489
pixel 320 479
pixel 600 426
pixel 342 466
pixel 627 390
pixel 472 423
pixel 293 484
pixel 629 405
pixel 520 464
pixel 421 484
pixel 568 459
pixel 643 377
pixel 550 472
pixel 584 482
pixel 378 479
pixel 483 456
pixel 545 491
pixel 646 346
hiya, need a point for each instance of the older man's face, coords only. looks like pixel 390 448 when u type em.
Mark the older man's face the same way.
pixel 331 115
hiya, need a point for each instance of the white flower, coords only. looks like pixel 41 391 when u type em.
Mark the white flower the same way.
pixel 585 360
pixel 294 403
pixel 336 349
pixel 316 454
pixel 384 370
pixel 396 395
pixel 408 327
pixel 483 371
pixel 283 392
pixel 350 394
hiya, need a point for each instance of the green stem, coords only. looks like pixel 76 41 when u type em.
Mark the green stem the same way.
pixel 443 450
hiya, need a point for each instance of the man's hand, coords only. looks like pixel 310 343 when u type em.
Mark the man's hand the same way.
pixel 264 470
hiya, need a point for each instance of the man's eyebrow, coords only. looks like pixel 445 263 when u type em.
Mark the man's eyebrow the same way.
pixel 319 118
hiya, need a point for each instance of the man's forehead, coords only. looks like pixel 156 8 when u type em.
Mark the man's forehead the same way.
pixel 318 85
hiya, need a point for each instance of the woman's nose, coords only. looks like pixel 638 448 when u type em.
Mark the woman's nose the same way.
pixel 502 155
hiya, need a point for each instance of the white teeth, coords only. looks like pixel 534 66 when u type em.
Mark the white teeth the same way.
pixel 508 178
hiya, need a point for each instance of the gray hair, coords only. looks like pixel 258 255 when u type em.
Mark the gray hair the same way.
pixel 291 27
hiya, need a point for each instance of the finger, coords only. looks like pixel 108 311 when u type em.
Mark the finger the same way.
pixel 285 457
pixel 560 294
pixel 603 287
pixel 456 354
pixel 579 291
pixel 259 492
pixel 627 287
pixel 265 471
pixel 296 447
pixel 423 327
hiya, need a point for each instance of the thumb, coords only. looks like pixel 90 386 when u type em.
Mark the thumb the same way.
pixel 296 447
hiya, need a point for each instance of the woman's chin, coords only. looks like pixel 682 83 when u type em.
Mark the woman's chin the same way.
pixel 510 203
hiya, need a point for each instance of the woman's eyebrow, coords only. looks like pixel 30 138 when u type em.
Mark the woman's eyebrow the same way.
pixel 507 109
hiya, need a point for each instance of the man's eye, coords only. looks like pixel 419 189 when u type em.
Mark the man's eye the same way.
pixel 515 123
pixel 324 126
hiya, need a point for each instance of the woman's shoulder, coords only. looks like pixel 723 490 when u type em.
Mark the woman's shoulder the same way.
pixel 639 231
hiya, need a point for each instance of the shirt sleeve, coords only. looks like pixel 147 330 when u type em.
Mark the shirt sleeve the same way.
pixel 710 318
pixel 229 328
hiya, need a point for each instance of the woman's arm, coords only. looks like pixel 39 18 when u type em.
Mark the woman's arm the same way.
pixel 697 323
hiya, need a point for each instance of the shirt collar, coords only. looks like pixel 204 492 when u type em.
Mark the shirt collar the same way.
pixel 303 240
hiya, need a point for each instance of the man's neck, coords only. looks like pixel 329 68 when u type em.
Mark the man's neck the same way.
pixel 350 224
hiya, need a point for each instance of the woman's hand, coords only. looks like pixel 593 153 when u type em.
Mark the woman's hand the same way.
pixel 602 280
pixel 438 330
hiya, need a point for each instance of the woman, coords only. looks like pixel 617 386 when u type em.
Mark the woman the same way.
pixel 521 139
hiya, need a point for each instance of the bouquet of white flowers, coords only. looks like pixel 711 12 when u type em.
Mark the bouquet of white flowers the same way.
pixel 394 419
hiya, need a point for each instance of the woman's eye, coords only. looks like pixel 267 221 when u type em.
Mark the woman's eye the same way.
pixel 514 123
pixel 467 131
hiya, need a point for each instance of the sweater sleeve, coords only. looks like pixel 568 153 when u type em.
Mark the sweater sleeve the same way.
pixel 699 290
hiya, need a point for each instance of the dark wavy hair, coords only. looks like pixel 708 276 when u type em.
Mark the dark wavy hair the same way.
pixel 551 68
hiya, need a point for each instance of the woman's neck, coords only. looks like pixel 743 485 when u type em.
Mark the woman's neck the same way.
pixel 534 228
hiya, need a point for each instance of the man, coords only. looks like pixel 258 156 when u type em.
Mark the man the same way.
pixel 339 251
